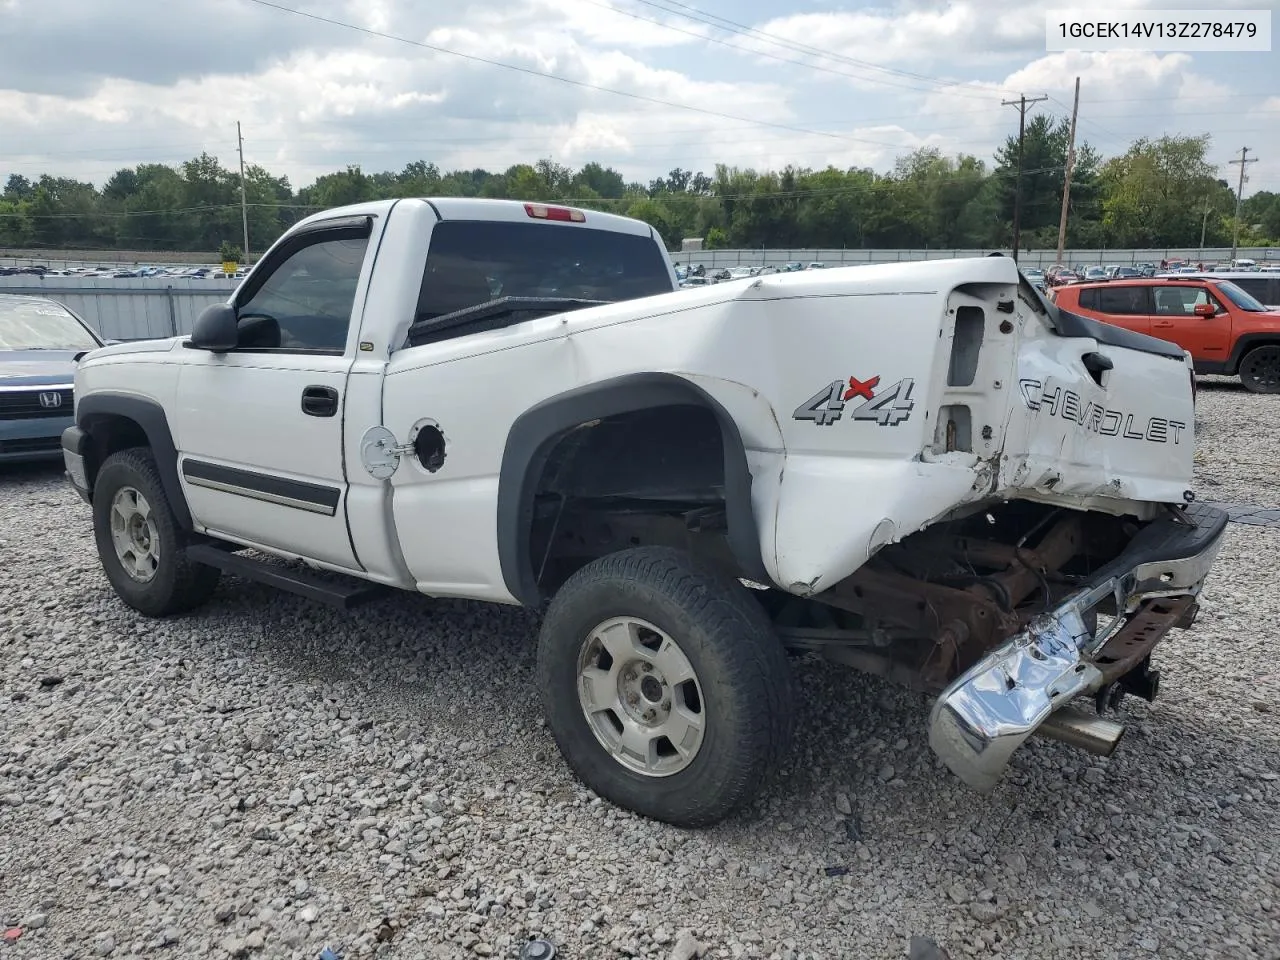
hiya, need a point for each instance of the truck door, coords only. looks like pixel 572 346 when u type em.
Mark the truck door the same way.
pixel 260 428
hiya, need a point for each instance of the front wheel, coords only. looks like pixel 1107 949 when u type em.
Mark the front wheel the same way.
pixel 664 685
pixel 1260 369
pixel 140 544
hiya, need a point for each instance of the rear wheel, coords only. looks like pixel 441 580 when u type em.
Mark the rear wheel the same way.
pixel 664 685
pixel 140 544
pixel 1260 369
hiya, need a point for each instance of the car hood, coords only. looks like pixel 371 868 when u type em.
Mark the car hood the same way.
pixel 36 367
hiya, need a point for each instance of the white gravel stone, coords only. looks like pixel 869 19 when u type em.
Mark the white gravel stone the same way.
pixel 238 775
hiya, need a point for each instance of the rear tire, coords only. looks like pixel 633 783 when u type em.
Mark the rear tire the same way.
pixel 1260 369
pixel 140 544
pixel 664 685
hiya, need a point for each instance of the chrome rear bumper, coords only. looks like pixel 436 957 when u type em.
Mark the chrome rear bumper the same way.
pixel 990 710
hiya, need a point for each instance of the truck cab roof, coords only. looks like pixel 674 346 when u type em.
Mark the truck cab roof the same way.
pixel 476 208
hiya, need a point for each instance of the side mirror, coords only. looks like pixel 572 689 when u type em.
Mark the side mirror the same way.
pixel 1206 310
pixel 215 329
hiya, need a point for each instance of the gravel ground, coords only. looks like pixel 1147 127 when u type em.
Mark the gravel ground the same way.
pixel 266 778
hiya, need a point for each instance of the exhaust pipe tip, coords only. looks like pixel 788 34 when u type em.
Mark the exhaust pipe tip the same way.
pixel 1082 730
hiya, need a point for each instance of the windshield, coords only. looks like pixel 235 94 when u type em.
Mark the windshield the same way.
pixel 1239 297
pixel 471 262
pixel 41 325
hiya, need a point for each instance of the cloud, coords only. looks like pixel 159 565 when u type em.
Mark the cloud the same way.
pixel 68 46
pixel 90 89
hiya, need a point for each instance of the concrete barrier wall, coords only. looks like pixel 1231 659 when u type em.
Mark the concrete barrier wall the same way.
pixel 1031 258
pixel 138 309
pixel 128 309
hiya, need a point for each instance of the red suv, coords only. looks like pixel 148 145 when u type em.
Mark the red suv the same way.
pixel 1225 330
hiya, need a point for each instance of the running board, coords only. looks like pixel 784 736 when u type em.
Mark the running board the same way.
pixel 343 593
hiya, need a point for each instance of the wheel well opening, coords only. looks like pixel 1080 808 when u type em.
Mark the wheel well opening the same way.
pixel 109 433
pixel 1248 346
pixel 651 477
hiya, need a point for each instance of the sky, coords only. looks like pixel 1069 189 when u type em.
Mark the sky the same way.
pixel 87 87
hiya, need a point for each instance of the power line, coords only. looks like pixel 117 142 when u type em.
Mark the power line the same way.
pixel 582 84
pixel 734 46
pixel 733 26
pixel 1235 233
pixel 1021 103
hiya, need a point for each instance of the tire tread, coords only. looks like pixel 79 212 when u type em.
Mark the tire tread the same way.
pixel 748 655
pixel 190 583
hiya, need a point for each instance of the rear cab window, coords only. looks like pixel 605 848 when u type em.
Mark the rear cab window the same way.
pixel 475 262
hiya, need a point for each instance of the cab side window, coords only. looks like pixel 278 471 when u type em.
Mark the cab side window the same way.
pixel 1123 300
pixel 1181 301
pixel 305 303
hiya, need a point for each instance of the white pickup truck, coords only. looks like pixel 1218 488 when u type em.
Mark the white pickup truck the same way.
pixel 921 469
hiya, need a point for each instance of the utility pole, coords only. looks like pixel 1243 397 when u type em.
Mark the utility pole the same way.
pixel 244 202
pixel 1021 103
pixel 1235 234
pixel 1066 185
pixel 1204 222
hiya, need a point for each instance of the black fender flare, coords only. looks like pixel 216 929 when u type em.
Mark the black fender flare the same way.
pixel 150 416
pixel 535 433
pixel 1246 342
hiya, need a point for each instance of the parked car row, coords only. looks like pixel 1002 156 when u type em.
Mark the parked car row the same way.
pixel 121 273
pixel 700 275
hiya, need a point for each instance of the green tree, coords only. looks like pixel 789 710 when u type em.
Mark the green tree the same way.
pixel 1263 210
pixel 1044 165
pixel 1157 193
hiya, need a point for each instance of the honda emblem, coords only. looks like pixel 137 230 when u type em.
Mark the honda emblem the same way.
pixel 51 400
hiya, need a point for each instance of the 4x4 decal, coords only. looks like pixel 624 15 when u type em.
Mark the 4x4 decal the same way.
pixel 888 408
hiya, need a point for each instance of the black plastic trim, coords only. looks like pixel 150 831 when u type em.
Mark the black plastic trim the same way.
pixel 492 315
pixel 535 433
pixel 78 443
pixel 343 594
pixel 319 400
pixel 338 228
pixel 76 440
pixel 1212 367
pixel 150 416
pixel 247 483
pixel 1068 324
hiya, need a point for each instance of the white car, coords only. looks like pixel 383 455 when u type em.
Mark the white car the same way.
pixel 511 402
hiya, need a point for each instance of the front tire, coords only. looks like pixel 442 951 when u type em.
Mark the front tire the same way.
pixel 1260 369
pixel 664 685
pixel 140 544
